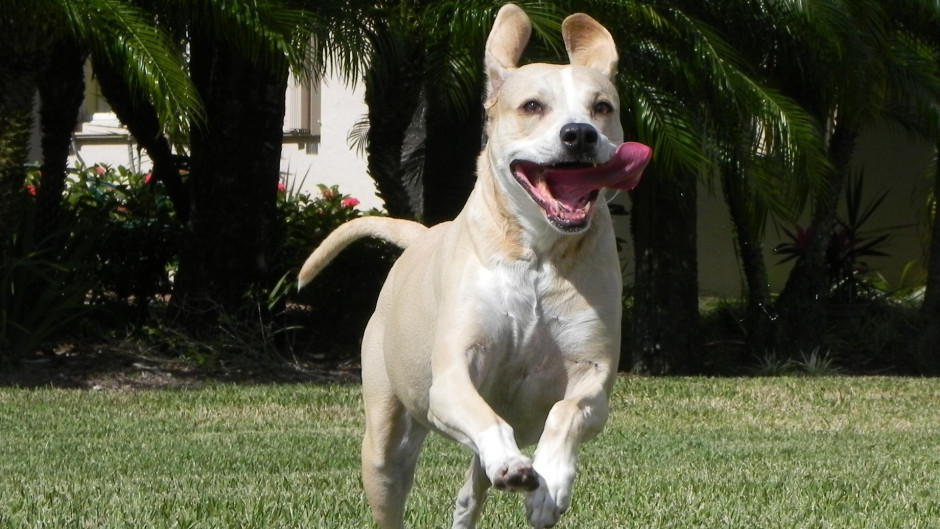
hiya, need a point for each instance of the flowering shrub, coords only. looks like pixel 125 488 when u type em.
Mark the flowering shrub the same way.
pixel 131 226
pixel 124 240
pixel 340 300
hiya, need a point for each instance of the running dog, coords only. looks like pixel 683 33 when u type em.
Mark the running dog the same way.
pixel 501 329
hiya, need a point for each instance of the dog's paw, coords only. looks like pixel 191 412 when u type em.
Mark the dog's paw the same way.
pixel 516 474
pixel 545 505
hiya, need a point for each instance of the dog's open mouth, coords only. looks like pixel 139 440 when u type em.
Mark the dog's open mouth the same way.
pixel 566 192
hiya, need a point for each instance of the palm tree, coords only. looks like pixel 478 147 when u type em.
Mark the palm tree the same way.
pixel 61 89
pixel 43 45
pixel 763 172
pixel 850 64
pixel 25 40
pixel 920 19
pixel 239 57
pixel 240 54
pixel 689 94
pixel 424 89
pixel 930 310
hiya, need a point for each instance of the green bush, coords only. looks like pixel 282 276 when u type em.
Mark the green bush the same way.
pixel 43 287
pixel 136 231
pixel 336 306
pixel 118 248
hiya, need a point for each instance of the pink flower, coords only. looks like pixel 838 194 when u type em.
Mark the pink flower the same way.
pixel 349 203
pixel 148 177
pixel 281 188
pixel 31 189
pixel 100 170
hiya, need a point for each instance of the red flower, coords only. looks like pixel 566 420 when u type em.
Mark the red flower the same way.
pixel 349 203
pixel 148 177
pixel 281 187
pixel 31 189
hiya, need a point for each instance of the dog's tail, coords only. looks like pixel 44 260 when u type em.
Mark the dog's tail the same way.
pixel 399 232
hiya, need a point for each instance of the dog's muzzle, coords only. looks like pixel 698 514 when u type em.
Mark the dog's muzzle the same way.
pixel 566 192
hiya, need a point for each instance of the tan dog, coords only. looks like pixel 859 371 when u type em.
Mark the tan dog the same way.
pixel 502 328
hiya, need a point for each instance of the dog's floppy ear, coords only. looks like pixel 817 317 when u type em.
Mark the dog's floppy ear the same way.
pixel 504 46
pixel 589 44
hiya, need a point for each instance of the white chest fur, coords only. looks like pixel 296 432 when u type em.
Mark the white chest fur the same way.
pixel 529 315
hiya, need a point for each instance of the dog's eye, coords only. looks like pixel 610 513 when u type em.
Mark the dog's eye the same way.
pixel 532 107
pixel 603 108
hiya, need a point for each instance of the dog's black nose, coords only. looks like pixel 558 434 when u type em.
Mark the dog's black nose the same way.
pixel 578 138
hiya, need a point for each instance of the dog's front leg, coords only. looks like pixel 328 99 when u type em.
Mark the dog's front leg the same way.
pixel 458 410
pixel 570 422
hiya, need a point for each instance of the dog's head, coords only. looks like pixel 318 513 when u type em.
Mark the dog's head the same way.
pixel 555 139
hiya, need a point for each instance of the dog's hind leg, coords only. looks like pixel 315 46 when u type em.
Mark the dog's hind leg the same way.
pixel 390 449
pixel 471 497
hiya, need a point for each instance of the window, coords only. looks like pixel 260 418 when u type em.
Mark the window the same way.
pixel 302 115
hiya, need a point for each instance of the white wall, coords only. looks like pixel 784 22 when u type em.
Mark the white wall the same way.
pixel 330 161
pixel 335 162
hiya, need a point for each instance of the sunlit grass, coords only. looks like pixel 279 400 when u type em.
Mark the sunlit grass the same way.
pixel 711 453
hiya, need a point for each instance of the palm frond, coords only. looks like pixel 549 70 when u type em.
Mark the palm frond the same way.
pixel 124 35
pixel 659 119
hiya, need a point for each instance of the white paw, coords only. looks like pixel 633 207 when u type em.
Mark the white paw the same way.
pixel 546 504
pixel 514 474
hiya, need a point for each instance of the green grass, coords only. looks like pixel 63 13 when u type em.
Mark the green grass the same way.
pixel 685 453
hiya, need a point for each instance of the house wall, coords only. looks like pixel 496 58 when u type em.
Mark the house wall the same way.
pixel 892 162
pixel 315 149
pixel 332 160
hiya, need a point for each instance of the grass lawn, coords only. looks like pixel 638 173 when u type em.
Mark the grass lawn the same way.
pixel 686 453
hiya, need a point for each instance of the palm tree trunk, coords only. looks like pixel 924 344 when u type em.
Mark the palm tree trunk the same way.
pixel 140 117
pixel 757 322
pixel 930 309
pixel 802 303
pixel 24 44
pixel 393 89
pixel 17 89
pixel 61 89
pixel 452 147
pixel 931 304
pixel 664 331
pixel 234 174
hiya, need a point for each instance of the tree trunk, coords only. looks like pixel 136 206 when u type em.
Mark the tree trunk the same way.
pixel 393 89
pixel 17 90
pixel 140 118
pixel 24 44
pixel 665 315
pixel 757 321
pixel 452 147
pixel 931 304
pixel 801 306
pixel 929 353
pixel 234 175
pixel 61 89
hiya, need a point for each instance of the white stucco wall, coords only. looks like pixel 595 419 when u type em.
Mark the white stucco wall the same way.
pixel 335 161
pixel 331 161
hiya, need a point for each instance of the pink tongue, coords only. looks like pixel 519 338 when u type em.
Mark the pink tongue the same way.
pixel 623 171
